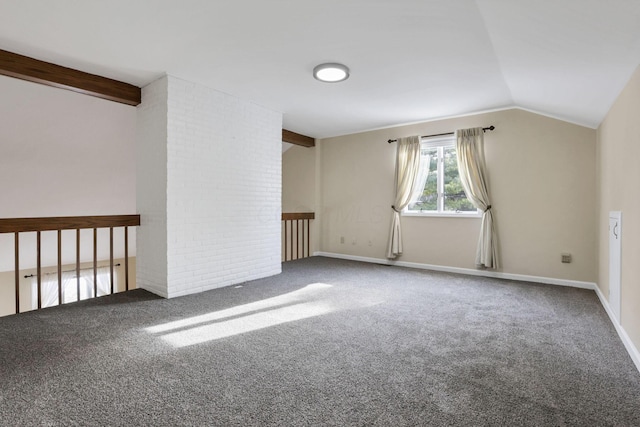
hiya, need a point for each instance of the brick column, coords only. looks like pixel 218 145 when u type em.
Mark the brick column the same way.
pixel 209 189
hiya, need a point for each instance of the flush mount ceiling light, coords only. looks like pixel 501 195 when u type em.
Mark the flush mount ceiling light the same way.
pixel 331 72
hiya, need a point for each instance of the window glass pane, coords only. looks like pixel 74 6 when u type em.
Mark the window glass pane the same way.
pixel 454 197
pixel 428 200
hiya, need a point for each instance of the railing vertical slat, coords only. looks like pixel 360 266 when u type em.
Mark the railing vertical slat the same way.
pixel 111 256
pixel 303 222
pixel 285 241
pixel 17 251
pixel 59 267
pixel 95 262
pixel 78 264
pixel 298 239
pixel 39 271
pixel 308 237
pixel 126 258
pixel 291 229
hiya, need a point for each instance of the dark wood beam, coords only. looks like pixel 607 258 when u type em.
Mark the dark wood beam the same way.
pixel 34 70
pixel 296 138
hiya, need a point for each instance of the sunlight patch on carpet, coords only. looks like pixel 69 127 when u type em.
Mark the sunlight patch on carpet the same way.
pixel 300 295
pixel 289 307
pixel 311 301
pixel 249 323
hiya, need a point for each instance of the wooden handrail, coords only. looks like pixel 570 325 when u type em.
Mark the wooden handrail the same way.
pixel 298 215
pixel 19 225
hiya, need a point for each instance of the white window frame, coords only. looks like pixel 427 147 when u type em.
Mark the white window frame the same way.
pixel 440 143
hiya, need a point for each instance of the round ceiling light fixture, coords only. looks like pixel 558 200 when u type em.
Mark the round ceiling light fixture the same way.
pixel 331 72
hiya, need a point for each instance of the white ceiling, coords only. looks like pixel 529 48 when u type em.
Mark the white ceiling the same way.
pixel 410 60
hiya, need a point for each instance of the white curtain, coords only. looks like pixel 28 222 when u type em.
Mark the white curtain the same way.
pixel 423 174
pixel 49 286
pixel 49 289
pixel 473 174
pixel 103 279
pixel 406 177
pixel 70 287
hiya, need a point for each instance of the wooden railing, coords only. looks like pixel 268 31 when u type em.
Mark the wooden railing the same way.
pixel 296 235
pixel 38 225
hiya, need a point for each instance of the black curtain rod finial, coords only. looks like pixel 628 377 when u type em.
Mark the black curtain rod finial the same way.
pixel 492 127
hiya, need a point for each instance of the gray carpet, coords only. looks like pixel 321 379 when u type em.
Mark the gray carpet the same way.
pixel 327 342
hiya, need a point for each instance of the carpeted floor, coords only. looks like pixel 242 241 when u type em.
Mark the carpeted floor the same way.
pixel 327 342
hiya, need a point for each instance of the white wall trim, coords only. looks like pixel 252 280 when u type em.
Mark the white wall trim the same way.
pixel 467 271
pixel 631 348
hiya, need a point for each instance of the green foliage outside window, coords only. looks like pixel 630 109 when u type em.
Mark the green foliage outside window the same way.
pixel 454 198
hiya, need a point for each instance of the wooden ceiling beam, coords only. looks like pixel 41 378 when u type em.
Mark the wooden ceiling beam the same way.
pixel 297 139
pixel 34 70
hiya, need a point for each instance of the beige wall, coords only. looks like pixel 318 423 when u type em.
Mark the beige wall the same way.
pixel 541 177
pixel 618 187
pixel 299 189
pixel 299 179
pixel 7 282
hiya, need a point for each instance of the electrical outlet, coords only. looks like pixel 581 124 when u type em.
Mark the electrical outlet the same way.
pixel 566 258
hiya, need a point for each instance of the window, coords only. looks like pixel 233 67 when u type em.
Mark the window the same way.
pixel 442 192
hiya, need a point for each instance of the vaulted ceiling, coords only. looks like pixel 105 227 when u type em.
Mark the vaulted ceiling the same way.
pixel 410 60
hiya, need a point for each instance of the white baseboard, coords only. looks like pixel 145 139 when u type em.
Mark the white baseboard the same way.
pixel 631 348
pixel 468 271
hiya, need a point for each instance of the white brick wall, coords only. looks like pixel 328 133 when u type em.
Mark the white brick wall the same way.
pixel 223 189
pixel 151 188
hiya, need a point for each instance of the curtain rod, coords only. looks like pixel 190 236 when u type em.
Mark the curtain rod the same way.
pixel 492 127
pixel 70 271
